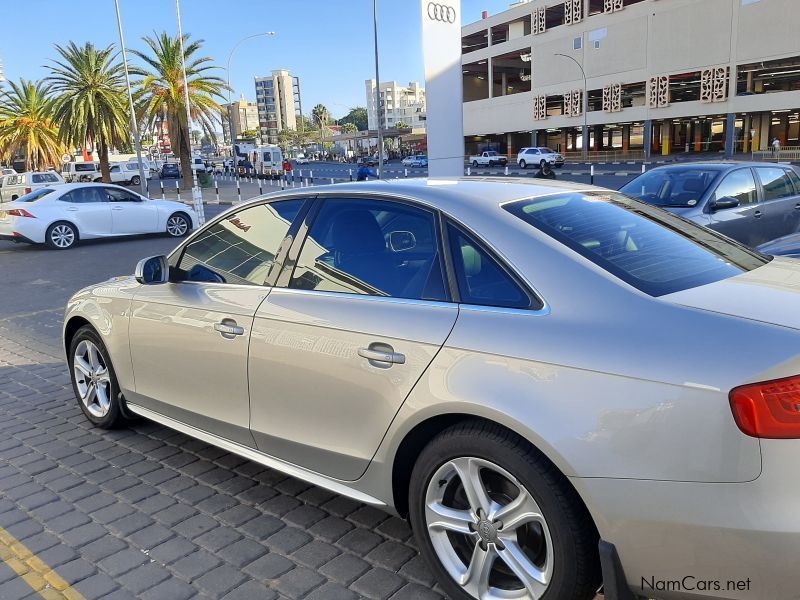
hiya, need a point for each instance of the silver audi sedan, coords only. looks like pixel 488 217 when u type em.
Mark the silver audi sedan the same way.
pixel 560 387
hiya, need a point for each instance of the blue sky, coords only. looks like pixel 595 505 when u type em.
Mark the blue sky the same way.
pixel 328 43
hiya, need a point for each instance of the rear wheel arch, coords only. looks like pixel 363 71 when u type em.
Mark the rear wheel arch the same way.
pixel 422 433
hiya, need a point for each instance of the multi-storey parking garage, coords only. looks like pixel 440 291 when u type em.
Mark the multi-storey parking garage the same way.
pixel 661 76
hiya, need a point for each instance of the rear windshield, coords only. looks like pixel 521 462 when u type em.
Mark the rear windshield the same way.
pixel 678 187
pixel 652 250
pixel 45 178
pixel 35 195
pixel 83 167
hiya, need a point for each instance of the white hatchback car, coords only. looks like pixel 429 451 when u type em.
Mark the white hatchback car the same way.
pixel 61 215
pixel 16 186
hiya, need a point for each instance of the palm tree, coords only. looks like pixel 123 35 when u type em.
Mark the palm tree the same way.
pixel 161 91
pixel 91 106
pixel 321 116
pixel 26 121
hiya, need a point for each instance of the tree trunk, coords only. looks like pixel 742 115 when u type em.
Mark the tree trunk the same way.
pixel 185 153
pixel 105 170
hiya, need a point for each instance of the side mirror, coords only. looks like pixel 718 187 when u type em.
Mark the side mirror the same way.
pixel 153 270
pixel 723 203
pixel 400 241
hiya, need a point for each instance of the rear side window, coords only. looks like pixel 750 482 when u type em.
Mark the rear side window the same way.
pixel 481 279
pixel 35 195
pixel 776 183
pixel 652 250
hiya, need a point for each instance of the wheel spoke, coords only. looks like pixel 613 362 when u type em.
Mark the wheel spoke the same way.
pixel 468 470
pixel 534 579
pixel 475 579
pixel 91 393
pixel 522 509
pixel 442 517
pixel 84 367
pixel 93 359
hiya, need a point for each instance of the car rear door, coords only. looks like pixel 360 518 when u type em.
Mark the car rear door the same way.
pixel 745 222
pixel 131 213
pixel 781 201
pixel 189 338
pixel 356 317
pixel 88 208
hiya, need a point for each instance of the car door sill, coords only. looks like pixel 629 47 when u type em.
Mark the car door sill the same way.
pixel 322 481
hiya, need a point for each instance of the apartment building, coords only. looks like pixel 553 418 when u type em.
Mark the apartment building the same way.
pixel 662 76
pixel 399 104
pixel 243 115
pixel 279 104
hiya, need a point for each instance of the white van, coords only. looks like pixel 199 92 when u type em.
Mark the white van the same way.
pixel 15 186
pixel 76 172
pixel 127 172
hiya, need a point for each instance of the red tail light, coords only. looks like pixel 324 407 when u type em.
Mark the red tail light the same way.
pixel 28 190
pixel 770 409
pixel 20 212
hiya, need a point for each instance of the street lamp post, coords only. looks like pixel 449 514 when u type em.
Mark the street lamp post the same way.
pixel 230 57
pixel 378 90
pixel 134 126
pixel 585 144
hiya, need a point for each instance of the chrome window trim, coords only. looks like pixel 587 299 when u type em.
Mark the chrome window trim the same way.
pixel 393 299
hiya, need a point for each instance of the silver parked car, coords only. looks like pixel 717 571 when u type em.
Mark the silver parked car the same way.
pixel 550 380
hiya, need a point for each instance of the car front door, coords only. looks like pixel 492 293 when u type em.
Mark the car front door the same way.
pixel 745 222
pixel 88 208
pixel 781 201
pixel 189 338
pixel 131 213
pixel 357 316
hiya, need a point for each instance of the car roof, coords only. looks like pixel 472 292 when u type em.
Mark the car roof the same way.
pixel 719 165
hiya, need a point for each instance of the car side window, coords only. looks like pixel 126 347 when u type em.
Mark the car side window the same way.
pixel 795 180
pixel 372 247
pixel 84 195
pixel 481 279
pixel 242 247
pixel 114 169
pixel 776 183
pixel 115 195
pixel 738 184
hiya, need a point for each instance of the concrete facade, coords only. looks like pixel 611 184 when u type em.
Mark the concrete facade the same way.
pixel 662 76
pixel 279 104
pixel 243 115
pixel 401 104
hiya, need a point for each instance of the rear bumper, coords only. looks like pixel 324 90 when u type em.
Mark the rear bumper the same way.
pixel 15 238
pixel 706 540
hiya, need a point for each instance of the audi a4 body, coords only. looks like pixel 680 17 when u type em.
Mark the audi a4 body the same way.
pixel 550 380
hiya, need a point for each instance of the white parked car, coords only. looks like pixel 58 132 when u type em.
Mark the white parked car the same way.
pixel 16 186
pixel 539 156
pixel 199 165
pixel 301 159
pixel 80 171
pixel 127 173
pixel 61 215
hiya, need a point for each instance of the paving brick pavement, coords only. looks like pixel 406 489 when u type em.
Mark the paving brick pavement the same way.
pixel 150 513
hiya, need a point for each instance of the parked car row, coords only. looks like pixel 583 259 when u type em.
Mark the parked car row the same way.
pixel 416 160
pixel 120 172
pixel 553 382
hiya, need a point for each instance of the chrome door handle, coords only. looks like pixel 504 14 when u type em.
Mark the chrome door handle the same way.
pixel 228 328
pixel 72 208
pixel 758 214
pixel 382 356
pixel 116 208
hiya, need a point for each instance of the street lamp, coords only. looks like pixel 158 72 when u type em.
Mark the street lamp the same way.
pixel 378 90
pixel 230 57
pixel 585 136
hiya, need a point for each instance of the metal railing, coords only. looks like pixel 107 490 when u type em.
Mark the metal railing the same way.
pixel 785 153
pixel 604 156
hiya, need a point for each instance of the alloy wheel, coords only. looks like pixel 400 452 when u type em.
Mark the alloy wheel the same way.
pixel 62 236
pixel 92 378
pixel 488 531
pixel 177 226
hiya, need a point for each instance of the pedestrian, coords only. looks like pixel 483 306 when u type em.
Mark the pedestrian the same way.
pixel 776 147
pixel 364 173
pixel 287 169
pixel 545 172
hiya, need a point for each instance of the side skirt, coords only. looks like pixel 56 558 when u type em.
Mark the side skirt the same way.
pixel 249 453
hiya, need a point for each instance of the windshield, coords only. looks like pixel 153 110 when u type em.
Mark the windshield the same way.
pixel 679 187
pixel 83 167
pixel 35 195
pixel 652 250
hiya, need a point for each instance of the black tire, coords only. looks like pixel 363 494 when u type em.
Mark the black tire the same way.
pixel 114 417
pixel 576 567
pixel 135 180
pixel 51 237
pixel 179 232
pixel 522 164
pixel 474 164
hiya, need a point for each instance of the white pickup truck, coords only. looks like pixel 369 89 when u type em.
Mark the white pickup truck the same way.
pixel 489 158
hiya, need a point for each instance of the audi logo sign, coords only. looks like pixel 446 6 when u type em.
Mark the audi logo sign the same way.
pixel 441 12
